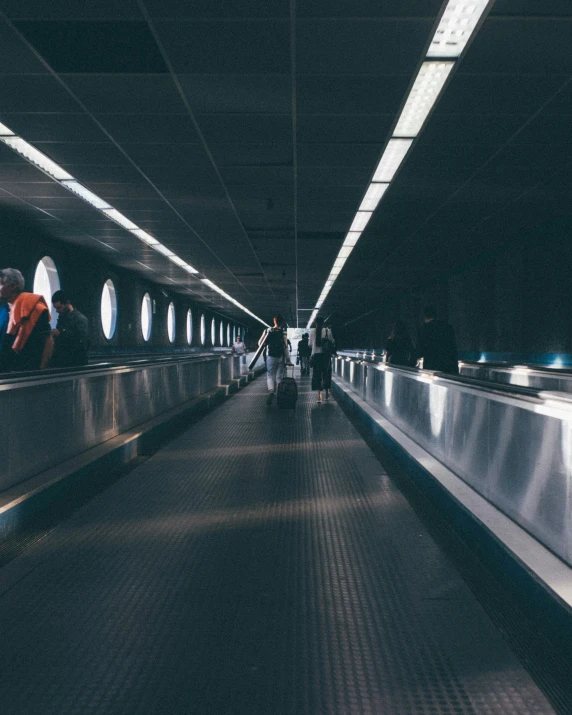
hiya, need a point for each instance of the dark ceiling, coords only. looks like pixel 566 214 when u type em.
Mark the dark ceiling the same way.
pixel 243 134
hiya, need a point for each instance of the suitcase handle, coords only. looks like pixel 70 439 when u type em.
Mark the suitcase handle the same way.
pixel 286 370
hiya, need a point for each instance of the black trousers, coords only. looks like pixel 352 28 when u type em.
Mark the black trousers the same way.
pixel 321 372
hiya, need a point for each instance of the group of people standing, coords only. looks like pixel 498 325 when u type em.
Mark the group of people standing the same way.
pixel 315 350
pixel 27 340
pixel 436 345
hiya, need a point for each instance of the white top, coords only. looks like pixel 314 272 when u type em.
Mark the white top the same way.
pixel 326 333
pixel 238 348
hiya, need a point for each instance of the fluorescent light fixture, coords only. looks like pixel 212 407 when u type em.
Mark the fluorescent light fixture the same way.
pixel 373 197
pixel 456 27
pixel 119 218
pixel 36 157
pixel 178 261
pixel 189 269
pixel 163 249
pixel 144 236
pixel 328 284
pixel 85 194
pixel 339 262
pixel 345 251
pixel 424 93
pixel 335 272
pixel 393 155
pixel 5 132
pixel 214 287
pixel 352 238
pixel 360 221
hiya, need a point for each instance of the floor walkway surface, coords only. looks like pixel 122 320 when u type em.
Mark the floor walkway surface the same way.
pixel 263 563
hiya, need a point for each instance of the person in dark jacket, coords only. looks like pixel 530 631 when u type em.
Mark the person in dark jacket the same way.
pixel 437 345
pixel 304 352
pixel 70 333
pixel 399 349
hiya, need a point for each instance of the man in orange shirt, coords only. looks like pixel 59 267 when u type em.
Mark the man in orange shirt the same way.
pixel 28 343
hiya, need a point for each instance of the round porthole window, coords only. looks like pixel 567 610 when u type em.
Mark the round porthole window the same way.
pixel 171 322
pixel 108 309
pixel 46 283
pixel 203 330
pixel 221 333
pixel 228 334
pixel 189 326
pixel 213 332
pixel 146 316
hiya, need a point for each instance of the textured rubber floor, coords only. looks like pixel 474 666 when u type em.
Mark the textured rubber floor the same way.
pixel 261 563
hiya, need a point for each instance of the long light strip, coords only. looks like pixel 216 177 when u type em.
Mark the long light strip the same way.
pixel 456 27
pixel 424 93
pixel 36 157
pixel 454 31
pixel 391 159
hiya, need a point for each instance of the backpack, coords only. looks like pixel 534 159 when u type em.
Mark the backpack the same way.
pixel 327 344
pixel 275 342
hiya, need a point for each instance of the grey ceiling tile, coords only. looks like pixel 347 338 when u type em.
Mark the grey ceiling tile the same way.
pixel 47 127
pixel 80 153
pixel 151 128
pixel 208 9
pixel 378 47
pixel 126 93
pixel 331 129
pixel 119 46
pixel 34 93
pixel 368 8
pixel 515 8
pixel 235 93
pixel 70 9
pixel 167 155
pixel 521 46
pixel 253 154
pixel 349 154
pixel 338 94
pixel 15 55
pixel 245 129
pixel 211 47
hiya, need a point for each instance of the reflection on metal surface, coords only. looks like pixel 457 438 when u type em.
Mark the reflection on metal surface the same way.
pixel 514 449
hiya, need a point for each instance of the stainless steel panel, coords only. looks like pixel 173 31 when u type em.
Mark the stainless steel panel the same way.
pixel 514 450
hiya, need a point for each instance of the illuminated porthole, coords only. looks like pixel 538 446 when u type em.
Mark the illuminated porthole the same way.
pixel 221 333
pixel 203 330
pixel 228 334
pixel 171 322
pixel 234 333
pixel 213 332
pixel 46 283
pixel 146 316
pixel 189 326
pixel 108 309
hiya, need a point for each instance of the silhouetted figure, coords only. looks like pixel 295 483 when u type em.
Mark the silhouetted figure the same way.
pixel 323 347
pixel 437 345
pixel 399 349
pixel 70 334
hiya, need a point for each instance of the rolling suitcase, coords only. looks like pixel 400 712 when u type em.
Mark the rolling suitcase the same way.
pixel 287 393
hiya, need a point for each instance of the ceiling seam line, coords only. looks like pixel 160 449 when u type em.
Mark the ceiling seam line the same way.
pixel 195 123
pixel 118 146
pixel 294 143
pixel 466 183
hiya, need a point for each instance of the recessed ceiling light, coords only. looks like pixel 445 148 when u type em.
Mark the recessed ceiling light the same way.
pixel 144 236
pixel 393 155
pixel 85 194
pixel 424 93
pixel 345 251
pixel 36 157
pixel 4 131
pixel 119 218
pixel 352 238
pixel 360 221
pixel 373 196
pixel 163 249
pixel 456 27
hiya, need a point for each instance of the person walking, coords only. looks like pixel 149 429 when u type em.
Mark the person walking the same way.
pixel 276 346
pixel 437 345
pixel 238 347
pixel 399 349
pixel 71 340
pixel 304 352
pixel 323 347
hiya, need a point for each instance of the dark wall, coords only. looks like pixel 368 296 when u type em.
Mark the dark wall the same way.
pixel 82 274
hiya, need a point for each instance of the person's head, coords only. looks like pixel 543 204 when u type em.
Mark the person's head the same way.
pixel 238 339
pixel 398 330
pixel 11 284
pixel 61 302
pixel 430 313
pixel 278 319
pixel 305 336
